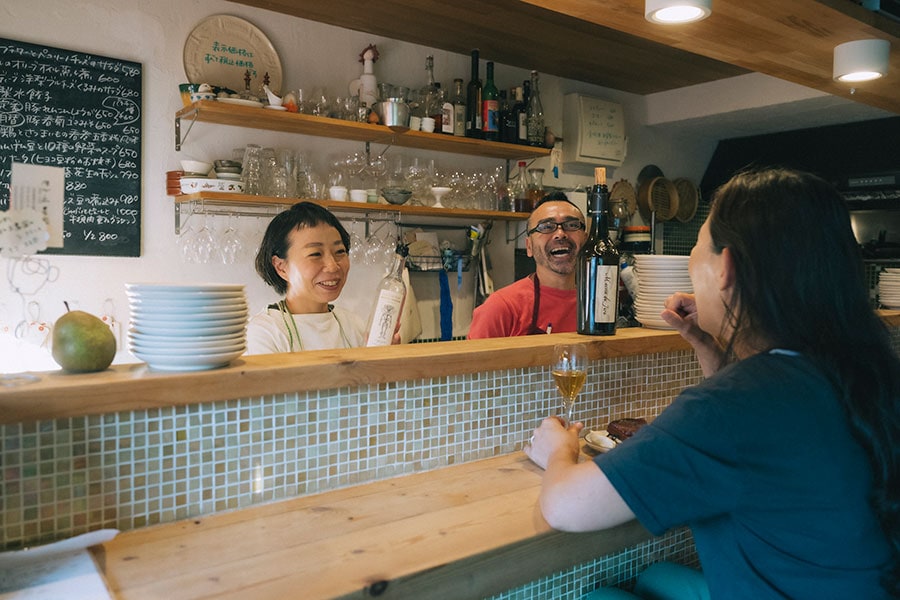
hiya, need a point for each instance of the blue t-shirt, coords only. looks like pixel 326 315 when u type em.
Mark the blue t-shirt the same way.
pixel 759 462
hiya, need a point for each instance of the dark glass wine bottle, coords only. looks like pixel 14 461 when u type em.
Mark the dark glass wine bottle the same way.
pixel 597 271
pixel 490 107
pixel 473 101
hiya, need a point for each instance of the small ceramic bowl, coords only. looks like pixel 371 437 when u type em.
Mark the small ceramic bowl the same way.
pixel 197 96
pixel 599 441
pixel 196 166
pixel 396 195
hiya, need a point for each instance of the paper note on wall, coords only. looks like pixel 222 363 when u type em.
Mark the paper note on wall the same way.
pixel 40 188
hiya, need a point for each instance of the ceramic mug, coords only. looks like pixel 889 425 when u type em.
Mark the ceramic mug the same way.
pixel 358 195
pixel 337 192
pixel 428 124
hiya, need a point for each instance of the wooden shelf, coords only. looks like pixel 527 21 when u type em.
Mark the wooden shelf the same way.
pixel 212 111
pixel 244 200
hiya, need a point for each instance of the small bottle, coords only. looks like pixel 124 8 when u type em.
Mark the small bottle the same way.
pixel 521 109
pixel 389 304
pixel 473 101
pixel 518 192
pixel 508 125
pixel 535 117
pixel 535 188
pixel 490 107
pixel 430 95
pixel 597 270
pixel 447 112
pixel 459 108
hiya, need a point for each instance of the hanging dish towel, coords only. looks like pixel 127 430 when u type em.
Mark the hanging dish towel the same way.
pixel 446 307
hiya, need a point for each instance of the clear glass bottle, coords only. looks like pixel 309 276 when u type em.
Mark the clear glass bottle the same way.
pixel 535 116
pixel 535 188
pixel 389 304
pixel 597 270
pixel 448 119
pixel 430 95
pixel 459 108
pixel 473 101
pixel 490 107
pixel 518 191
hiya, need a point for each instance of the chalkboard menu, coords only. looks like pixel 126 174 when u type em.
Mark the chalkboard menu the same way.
pixel 78 115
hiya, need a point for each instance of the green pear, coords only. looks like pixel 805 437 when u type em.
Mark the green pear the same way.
pixel 82 343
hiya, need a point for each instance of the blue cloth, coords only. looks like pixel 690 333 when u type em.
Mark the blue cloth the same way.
pixel 446 307
pixel 758 461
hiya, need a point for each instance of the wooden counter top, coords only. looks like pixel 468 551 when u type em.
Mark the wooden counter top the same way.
pixel 56 394
pixel 465 531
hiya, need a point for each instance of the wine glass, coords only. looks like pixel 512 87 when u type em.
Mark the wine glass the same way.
pixel 569 372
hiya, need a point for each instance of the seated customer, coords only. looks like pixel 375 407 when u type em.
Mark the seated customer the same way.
pixel 304 255
pixel 784 461
pixel 530 305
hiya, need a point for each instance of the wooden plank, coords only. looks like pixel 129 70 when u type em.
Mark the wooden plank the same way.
pixel 225 198
pixel 456 532
pixel 515 33
pixel 56 394
pixel 212 111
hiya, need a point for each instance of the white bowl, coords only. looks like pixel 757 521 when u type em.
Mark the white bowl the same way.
pixel 599 441
pixel 196 166
pixel 197 96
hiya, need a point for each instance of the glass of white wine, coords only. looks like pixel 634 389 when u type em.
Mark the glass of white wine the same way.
pixel 569 371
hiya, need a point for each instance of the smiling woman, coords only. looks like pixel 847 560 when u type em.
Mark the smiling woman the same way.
pixel 304 255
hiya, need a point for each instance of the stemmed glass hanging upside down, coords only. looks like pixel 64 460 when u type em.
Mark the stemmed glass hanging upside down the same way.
pixel 569 371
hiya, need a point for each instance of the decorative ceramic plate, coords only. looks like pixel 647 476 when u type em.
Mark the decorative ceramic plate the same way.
pixel 222 48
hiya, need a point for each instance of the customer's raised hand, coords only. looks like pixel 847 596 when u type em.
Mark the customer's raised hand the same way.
pixel 681 313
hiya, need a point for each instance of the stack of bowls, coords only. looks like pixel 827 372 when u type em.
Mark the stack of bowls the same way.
pixel 187 327
pixel 889 288
pixel 658 277
pixel 228 169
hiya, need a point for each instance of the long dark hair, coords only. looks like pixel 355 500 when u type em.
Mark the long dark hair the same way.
pixel 275 242
pixel 801 285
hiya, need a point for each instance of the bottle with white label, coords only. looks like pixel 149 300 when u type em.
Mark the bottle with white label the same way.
pixel 389 304
pixel 597 272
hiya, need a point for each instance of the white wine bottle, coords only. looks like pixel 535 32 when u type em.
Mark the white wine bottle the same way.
pixel 597 272
pixel 389 304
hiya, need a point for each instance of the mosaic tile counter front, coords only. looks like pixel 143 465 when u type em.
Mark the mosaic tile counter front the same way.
pixel 132 469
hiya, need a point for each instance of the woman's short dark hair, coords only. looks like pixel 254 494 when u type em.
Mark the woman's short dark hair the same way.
pixel 276 241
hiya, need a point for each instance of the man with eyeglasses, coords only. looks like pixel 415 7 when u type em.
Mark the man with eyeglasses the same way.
pixel 545 299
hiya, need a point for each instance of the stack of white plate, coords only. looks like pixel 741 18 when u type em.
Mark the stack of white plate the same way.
pixel 889 288
pixel 658 277
pixel 187 327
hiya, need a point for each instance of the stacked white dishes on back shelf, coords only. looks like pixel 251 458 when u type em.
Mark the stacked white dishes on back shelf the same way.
pixel 889 288
pixel 658 277
pixel 189 327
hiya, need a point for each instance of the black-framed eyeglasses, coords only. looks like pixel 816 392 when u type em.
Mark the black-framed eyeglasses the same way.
pixel 552 226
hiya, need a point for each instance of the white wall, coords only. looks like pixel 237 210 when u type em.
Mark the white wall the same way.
pixel 312 55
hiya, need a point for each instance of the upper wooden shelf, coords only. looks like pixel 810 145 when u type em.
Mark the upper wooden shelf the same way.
pixel 402 210
pixel 212 111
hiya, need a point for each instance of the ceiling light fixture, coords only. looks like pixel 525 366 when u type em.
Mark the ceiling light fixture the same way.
pixel 861 60
pixel 669 12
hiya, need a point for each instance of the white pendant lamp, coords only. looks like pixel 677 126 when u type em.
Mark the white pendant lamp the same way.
pixel 861 60
pixel 669 12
